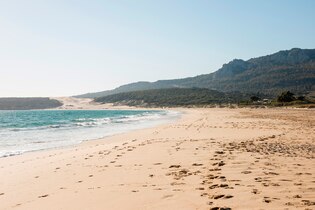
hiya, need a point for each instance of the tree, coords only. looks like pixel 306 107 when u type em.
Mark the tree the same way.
pixel 301 98
pixel 286 96
pixel 254 98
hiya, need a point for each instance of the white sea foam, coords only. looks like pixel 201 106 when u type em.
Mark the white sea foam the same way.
pixel 15 141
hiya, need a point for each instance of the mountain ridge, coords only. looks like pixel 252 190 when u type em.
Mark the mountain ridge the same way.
pixel 292 70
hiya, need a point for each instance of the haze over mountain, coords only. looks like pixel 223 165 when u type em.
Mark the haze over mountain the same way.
pixel 292 70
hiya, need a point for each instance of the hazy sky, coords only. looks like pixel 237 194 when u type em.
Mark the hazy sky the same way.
pixel 64 47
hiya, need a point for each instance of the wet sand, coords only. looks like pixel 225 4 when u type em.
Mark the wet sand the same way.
pixel 210 159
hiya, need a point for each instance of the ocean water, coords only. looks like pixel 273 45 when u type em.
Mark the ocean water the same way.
pixel 24 131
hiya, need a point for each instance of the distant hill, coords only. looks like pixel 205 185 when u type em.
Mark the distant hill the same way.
pixel 28 103
pixel 292 70
pixel 172 97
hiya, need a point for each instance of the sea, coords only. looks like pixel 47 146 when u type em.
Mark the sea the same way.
pixel 26 131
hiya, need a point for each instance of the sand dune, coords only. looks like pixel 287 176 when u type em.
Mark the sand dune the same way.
pixel 71 103
pixel 210 159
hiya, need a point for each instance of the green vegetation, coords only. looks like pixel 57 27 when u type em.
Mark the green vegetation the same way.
pixel 28 103
pixel 172 97
pixel 286 96
pixel 292 70
pixel 254 98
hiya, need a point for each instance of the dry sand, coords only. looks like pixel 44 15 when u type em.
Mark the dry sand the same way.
pixel 71 103
pixel 209 159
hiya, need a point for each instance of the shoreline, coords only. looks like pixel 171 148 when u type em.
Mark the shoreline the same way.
pixel 208 158
pixel 170 116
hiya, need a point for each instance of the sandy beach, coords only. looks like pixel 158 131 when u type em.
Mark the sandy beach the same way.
pixel 209 159
pixel 72 103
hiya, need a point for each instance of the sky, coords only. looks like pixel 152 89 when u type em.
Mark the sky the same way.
pixel 69 47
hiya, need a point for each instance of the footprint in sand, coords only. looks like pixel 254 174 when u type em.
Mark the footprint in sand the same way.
pixel 220 208
pixel 43 196
pixel 266 200
pixel 219 186
pixel 297 196
pixel 210 203
pixel 197 164
pixel 222 196
pixel 174 166
pixel 228 196
pixel 285 180
pixel 167 196
pixel 217 196
pixel 255 191
pixel 177 183
pixel 308 202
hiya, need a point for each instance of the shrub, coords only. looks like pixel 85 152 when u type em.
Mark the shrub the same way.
pixel 286 96
pixel 254 98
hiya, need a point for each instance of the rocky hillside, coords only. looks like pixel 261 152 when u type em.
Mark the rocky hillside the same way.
pixel 292 70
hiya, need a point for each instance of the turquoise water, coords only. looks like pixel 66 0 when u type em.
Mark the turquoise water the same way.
pixel 24 131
